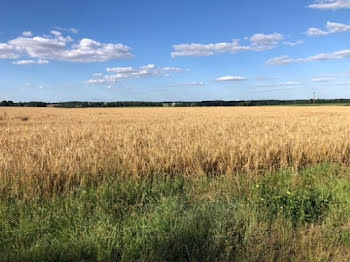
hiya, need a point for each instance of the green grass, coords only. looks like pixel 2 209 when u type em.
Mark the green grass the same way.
pixel 286 216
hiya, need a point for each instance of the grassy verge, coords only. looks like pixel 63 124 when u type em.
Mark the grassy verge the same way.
pixel 286 216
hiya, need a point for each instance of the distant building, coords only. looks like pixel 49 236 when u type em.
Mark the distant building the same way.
pixel 169 104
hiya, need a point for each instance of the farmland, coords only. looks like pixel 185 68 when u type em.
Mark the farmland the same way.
pixel 198 184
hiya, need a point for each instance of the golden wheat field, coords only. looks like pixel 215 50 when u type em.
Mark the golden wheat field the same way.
pixel 52 150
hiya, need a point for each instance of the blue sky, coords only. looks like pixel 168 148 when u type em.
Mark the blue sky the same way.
pixel 174 50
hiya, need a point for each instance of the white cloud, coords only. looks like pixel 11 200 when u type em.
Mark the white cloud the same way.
pixel 8 51
pixel 316 32
pixel 283 60
pixel 175 69
pixel 102 81
pixel 258 42
pixel 230 78
pixel 60 48
pixel 330 4
pixel 261 42
pixel 120 73
pixel 292 44
pixel 120 69
pixel 28 62
pixel 322 79
pixel 195 49
pixel 27 34
pixel 337 27
pixel 330 28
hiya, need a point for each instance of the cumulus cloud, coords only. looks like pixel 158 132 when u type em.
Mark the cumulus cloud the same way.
pixel 120 73
pixel 257 42
pixel 8 51
pixel 62 48
pixel 330 28
pixel 281 60
pixel 261 42
pixel 230 78
pixel 284 60
pixel 316 32
pixel 330 4
pixel 27 34
pixel 174 69
pixel 29 61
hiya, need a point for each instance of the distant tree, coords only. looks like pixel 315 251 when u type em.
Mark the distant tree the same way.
pixel 7 103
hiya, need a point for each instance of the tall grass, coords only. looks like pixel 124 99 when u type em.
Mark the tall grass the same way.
pixel 175 184
pixel 285 216
pixel 62 148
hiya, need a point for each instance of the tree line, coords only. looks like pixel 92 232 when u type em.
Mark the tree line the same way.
pixel 82 104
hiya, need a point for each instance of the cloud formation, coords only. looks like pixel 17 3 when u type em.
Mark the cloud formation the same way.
pixel 8 51
pixel 330 4
pixel 258 42
pixel 231 79
pixel 284 60
pixel 27 34
pixel 120 73
pixel 330 28
pixel 28 62
pixel 60 48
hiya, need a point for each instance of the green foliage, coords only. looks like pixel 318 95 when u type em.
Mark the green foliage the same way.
pixel 237 218
pixel 300 203
pixel 85 104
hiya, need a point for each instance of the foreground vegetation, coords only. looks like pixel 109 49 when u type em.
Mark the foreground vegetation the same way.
pixel 175 184
pixel 286 216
